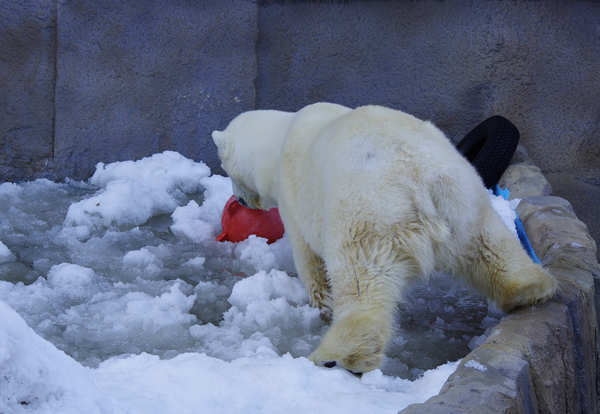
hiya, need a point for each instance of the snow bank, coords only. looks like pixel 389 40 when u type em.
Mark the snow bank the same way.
pixel 131 192
pixel 36 377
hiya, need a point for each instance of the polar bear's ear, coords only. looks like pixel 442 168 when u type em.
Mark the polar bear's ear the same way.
pixel 221 141
pixel 218 137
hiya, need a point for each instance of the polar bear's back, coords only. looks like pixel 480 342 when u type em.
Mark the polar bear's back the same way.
pixel 385 141
pixel 380 166
pixel 375 153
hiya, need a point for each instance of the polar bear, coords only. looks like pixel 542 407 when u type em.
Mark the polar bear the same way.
pixel 372 199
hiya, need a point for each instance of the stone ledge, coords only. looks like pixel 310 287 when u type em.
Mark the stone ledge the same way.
pixel 523 177
pixel 541 359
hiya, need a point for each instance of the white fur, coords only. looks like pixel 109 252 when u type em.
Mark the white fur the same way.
pixel 370 199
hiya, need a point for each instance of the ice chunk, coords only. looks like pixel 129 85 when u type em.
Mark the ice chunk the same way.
pixel 255 251
pixel 9 194
pixel 164 170
pixel 133 191
pixel 143 260
pixel 265 286
pixel 135 311
pixel 188 223
pixel 5 254
pixel 477 341
pixel 506 211
pixel 196 262
pixel 476 365
pixel 199 223
pixel 122 202
pixel 70 279
pixel 169 308
pixel 217 191
pixel 270 315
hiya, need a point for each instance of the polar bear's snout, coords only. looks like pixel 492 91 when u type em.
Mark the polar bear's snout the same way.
pixel 244 196
pixel 333 364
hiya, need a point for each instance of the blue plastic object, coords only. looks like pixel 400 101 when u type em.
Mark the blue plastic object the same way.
pixel 520 229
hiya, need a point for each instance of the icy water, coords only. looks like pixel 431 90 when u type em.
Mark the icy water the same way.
pixel 127 263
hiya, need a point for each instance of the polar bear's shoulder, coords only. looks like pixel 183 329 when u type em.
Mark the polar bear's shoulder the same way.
pixel 320 113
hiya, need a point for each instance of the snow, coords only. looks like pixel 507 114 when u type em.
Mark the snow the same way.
pixel 5 254
pixel 115 298
pixel 135 191
pixel 506 210
pixel 39 378
pixel 476 365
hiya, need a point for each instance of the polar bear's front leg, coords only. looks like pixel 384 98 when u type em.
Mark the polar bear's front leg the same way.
pixel 364 302
pixel 311 270
pixel 355 341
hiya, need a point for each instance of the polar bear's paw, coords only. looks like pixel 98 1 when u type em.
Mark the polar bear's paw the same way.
pixel 355 343
pixel 534 289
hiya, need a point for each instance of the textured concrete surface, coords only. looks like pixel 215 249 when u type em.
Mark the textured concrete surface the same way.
pixel 541 359
pixel 137 78
pixel 584 192
pixel 27 77
pixel 523 178
pixel 454 63
pixel 140 70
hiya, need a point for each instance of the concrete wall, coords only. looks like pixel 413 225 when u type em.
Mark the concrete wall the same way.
pixel 136 78
pixel 83 81
pixel 27 80
pixel 454 63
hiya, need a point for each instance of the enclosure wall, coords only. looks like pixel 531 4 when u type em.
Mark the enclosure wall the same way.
pixel 83 82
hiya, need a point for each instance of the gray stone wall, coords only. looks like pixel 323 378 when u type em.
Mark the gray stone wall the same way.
pixel 84 81
pixel 454 63
pixel 136 78
pixel 27 79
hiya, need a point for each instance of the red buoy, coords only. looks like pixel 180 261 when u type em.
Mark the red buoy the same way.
pixel 239 222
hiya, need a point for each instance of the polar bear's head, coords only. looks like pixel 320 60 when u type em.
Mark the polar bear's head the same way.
pixel 249 149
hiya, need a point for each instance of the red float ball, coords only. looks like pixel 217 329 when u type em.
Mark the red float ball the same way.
pixel 239 222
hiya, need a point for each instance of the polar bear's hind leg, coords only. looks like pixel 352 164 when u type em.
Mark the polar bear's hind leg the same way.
pixel 500 268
